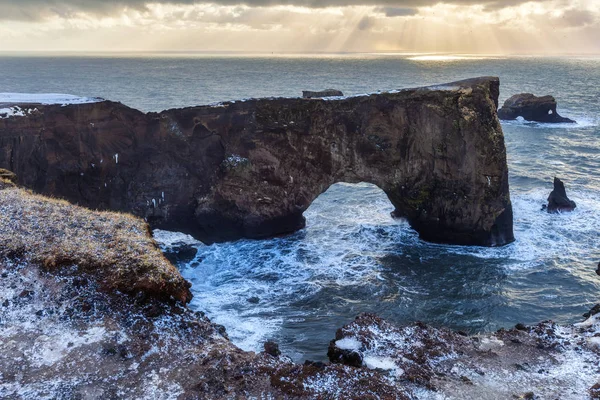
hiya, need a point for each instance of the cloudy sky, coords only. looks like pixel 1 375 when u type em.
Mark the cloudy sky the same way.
pixel 450 26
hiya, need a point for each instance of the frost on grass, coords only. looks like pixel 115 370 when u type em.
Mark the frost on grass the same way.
pixel 116 248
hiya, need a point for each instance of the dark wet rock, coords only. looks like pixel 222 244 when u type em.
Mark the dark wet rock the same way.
pixel 531 108
pixel 521 327
pixel 558 200
pixel 595 391
pixel 528 396
pixel 253 300
pixel 317 364
pixel 26 294
pixel 595 310
pixel 598 269
pixel 307 94
pixel 348 357
pixel 250 169
pixel 180 253
pixel 272 348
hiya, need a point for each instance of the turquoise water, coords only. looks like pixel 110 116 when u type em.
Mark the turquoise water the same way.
pixel 352 257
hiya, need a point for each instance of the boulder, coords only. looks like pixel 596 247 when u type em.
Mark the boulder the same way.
pixel 272 348
pixel 558 200
pixel 307 94
pixel 180 253
pixel 531 108
pixel 250 169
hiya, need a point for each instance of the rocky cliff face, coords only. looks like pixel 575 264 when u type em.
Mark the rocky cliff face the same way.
pixel 251 168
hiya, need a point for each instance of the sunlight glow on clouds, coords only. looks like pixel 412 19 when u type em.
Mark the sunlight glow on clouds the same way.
pixel 461 26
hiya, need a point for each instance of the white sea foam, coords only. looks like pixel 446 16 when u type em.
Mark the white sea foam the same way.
pixel 341 254
pixel 541 236
pixel 386 363
pixel 582 121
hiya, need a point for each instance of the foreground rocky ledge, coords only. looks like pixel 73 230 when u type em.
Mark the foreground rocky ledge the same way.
pixel 251 168
pixel 69 333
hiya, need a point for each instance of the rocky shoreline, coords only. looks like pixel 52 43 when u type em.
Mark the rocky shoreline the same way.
pixel 73 332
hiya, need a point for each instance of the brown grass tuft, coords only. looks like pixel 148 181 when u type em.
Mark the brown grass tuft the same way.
pixel 116 248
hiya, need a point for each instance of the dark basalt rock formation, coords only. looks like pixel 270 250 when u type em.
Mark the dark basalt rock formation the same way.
pixel 558 200
pixel 251 168
pixel 531 108
pixel 307 94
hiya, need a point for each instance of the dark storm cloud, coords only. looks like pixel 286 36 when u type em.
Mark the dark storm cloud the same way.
pixel 577 18
pixel 32 10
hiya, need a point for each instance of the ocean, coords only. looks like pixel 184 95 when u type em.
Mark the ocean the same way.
pixel 352 257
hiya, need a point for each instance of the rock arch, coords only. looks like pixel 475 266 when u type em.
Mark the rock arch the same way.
pixel 251 168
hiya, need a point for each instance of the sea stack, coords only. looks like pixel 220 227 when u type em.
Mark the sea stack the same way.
pixel 531 108
pixel 558 200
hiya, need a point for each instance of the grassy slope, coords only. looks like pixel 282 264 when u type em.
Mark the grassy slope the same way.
pixel 116 248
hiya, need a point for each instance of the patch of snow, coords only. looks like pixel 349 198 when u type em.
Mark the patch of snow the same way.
pixel 168 239
pixel 385 363
pixel 443 87
pixel 490 343
pixel 50 348
pixel 46 98
pixel 348 343
pixel 16 111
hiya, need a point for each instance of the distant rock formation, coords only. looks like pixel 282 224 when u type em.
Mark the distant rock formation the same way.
pixel 531 108
pixel 251 168
pixel 558 200
pixel 307 94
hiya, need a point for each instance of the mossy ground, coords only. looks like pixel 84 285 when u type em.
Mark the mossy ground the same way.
pixel 116 248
